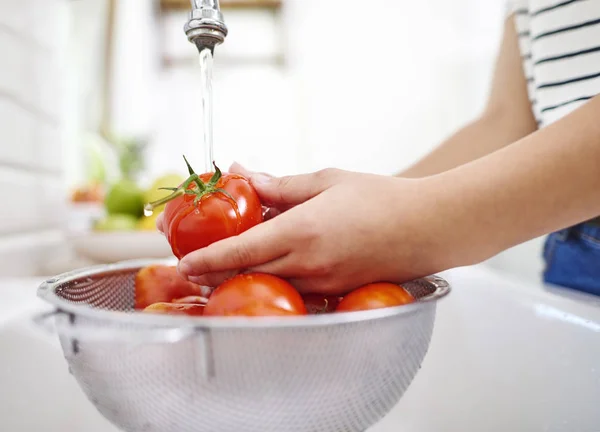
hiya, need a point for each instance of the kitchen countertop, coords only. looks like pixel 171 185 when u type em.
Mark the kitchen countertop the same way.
pixel 18 297
pixel 505 356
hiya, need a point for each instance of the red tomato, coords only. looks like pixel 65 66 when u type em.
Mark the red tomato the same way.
pixel 175 309
pixel 255 294
pixel 191 300
pixel 159 284
pixel 221 206
pixel 375 296
pixel 320 304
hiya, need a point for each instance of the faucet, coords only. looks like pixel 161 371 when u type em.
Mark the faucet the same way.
pixel 206 27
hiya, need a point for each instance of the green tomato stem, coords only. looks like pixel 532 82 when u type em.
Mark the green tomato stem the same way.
pixel 151 206
pixel 203 188
pixel 192 174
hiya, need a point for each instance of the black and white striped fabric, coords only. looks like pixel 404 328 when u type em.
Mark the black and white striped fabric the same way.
pixel 560 47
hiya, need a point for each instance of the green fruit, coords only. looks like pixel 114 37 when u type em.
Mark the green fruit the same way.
pixel 125 197
pixel 117 222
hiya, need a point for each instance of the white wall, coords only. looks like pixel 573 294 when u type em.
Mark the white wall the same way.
pixel 388 90
pixel 31 166
pixel 84 75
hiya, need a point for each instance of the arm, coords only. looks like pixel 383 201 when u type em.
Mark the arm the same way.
pixel 545 182
pixel 506 118
pixel 346 229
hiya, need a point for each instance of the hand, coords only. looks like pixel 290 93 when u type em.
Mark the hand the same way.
pixel 343 229
pixel 337 230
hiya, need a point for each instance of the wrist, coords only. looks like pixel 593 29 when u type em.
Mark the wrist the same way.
pixel 459 233
pixel 426 222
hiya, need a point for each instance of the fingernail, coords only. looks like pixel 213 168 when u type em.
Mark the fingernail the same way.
pixel 261 179
pixel 184 269
pixel 238 168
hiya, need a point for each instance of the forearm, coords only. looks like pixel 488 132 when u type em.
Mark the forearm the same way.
pixel 490 132
pixel 545 182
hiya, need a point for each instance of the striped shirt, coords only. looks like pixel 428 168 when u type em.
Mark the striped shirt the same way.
pixel 560 47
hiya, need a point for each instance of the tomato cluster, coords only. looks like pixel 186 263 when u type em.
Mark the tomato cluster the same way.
pixel 213 206
pixel 159 289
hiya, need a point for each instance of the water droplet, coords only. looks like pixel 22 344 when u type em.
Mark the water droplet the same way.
pixel 148 211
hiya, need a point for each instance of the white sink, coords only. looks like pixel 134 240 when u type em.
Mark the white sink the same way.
pixel 504 357
pixel 38 393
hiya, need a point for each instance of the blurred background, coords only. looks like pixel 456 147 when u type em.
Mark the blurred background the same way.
pixel 99 99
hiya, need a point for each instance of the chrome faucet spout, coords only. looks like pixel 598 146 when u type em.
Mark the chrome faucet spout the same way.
pixel 206 27
pixel 208 4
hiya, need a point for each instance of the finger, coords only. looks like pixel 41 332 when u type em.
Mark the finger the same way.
pixel 237 168
pixel 281 267
pixel 271 212
pixel 268 212
pixel 311 285
pixel 213 280
pixel 259 245
pixel 293 190
pixel 286 192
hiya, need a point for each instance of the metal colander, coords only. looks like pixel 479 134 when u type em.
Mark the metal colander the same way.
pixel 158 373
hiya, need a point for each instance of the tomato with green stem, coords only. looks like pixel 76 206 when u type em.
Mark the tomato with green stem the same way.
pixel 207 208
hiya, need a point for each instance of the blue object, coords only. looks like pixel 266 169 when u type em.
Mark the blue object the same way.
pixel 572 258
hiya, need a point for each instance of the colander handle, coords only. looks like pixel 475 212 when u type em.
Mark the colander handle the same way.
pixel 65 327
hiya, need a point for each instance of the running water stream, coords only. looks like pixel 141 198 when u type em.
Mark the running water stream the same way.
pixel 206 70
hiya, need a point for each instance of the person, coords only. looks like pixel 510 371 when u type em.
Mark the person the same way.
pixel 527 167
